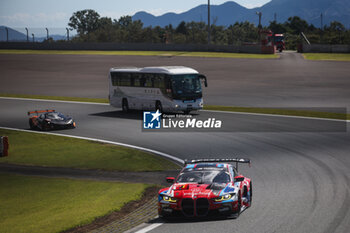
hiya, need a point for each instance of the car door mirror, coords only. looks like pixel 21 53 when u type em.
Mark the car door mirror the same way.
pixel 170 179
pixel 239 178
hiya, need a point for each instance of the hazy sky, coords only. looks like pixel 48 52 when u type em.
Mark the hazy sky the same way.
pixel 56 13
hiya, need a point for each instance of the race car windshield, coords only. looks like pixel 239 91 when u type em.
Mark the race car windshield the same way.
pixel 204 177
pixel 55 116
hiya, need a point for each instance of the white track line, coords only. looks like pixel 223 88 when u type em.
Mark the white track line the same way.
pixel 242 113
pixel 276 115
pixel 149 228
pixel 103 141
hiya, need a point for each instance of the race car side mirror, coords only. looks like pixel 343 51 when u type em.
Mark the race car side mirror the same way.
pixel 170 179
pixel 239 178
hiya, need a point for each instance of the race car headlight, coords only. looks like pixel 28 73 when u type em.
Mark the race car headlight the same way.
pixel 70 121
pixel 224 197
pixel 169 199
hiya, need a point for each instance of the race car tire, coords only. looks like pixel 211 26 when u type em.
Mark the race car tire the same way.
pixel 250 193
pixel 245 191
pixel 125 105
pixel 31 124
pixel 45 127
pixel 238 211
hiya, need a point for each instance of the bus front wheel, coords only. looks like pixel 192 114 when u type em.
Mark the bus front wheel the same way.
pixel 125 105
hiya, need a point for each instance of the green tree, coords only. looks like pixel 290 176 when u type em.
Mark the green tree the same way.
pixel 84 21
pixel 105 32
pixel 336 33
pixel 277 28
pixel 336 26
pixel 105 23
pixel 218 34
pixel 296 24
pixel 129 30
pixel 125 21
pixel 197 32
pixel 181 28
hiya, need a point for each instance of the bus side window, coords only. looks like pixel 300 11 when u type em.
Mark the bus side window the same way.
pixel 114 77
pixel 142 81
pixel 159 81
pixel 136 78
pixel 152 81
pixel 125 79
pixel 149 80
pixel 132 80
pixel 167 82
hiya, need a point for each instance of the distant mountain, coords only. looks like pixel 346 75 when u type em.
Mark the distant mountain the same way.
pixel 309 10
pixel 231 12
pixel 13 35
pixel 224 14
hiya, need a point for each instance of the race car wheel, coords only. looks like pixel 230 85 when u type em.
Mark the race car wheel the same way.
pixel 45 127
pixel 245 191
pixel 31 124
pixel 238 210
pixel 125 105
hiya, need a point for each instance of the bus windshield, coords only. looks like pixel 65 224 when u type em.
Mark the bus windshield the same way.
pixel 186 85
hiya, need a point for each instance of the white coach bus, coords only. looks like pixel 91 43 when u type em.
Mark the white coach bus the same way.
pixel 167 88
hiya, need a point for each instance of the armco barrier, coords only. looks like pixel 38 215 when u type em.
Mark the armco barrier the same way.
pixel 325 48
pixel 131 47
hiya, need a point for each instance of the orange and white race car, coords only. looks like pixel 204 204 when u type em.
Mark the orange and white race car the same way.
pixel 49 120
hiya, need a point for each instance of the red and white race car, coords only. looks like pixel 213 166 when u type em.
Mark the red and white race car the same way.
pixel 205 187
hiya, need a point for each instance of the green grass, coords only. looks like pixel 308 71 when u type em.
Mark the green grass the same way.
pixel 288 112
pixel 328 56
pixel 33 204
pixel 141 53
pixel 58 151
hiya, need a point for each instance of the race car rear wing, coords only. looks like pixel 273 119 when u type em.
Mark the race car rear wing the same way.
pixel 40 111
pixel 236 160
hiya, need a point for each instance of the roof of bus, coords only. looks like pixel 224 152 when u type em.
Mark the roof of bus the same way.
pixel 157 69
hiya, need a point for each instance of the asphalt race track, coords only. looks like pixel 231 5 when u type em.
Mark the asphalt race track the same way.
pixel 301 176
pixel 289 81
pixel 301 180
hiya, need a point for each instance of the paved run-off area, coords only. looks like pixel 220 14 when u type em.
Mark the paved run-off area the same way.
pixel 289 81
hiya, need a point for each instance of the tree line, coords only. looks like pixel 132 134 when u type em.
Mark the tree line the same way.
pixel 91 27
